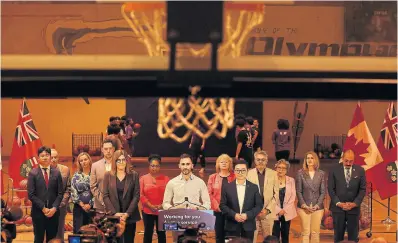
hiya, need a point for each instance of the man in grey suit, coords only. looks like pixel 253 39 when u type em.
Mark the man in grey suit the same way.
pixel 97 174
pixel 347 188
pixel 65 174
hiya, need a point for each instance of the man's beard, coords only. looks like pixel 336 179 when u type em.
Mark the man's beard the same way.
pixel 186 171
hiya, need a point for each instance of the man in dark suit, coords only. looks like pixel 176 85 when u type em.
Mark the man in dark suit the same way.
pixel 347 188
pixel 241 203
pixel 45 190
pixel 66 181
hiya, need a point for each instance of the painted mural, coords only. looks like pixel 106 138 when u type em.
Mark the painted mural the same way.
pixel 92 28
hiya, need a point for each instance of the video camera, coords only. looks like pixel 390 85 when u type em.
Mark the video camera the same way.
pixel 192 234
pixel 104 229
pixel 8 218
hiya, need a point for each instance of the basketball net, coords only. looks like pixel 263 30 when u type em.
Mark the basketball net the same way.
pixel 202 116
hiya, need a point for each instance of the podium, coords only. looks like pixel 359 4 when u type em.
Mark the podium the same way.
pixel 179 219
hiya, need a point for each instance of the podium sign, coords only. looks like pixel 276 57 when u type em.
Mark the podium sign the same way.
pixel 174 219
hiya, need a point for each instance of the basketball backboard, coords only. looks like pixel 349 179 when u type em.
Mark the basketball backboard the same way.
pixel 301 48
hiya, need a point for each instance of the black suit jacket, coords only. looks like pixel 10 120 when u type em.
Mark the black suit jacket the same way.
pixel 339 192
pixel 131 196
pixel 229 205
pixel 39 194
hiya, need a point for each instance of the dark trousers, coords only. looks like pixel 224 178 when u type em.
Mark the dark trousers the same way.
pixel 61 223
pixel 285 154
pixel 219 227
pixel 281 229
pixel 129 233
pixel 343 220
pixel 43 226
pixel 248 158
pixel 130 144
pixel 80 218
pixel 240 232
pixel 149 221
pixel 198 153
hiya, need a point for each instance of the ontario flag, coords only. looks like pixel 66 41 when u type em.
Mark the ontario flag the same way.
pixel 385 173
pixel 360 140
pixel 24 149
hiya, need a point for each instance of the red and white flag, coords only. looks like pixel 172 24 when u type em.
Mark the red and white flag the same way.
pixel 360 140
pixel 24 149
pixel 385 173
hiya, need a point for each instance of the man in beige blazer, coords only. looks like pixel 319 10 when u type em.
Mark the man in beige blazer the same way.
pixel 267 182
pixel 65 174
pixel 97 174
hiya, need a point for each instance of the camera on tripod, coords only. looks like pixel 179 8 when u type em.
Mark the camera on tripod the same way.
pixel 104 229
pixel 192 234
pixel 8 217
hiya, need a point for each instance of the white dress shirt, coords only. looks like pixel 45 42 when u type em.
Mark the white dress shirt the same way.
pixel 108 166
pixel 345 171
pixel 241 190
pixel 195 189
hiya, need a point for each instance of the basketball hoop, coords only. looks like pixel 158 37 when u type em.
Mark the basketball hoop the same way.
pixel 216 116
pixel 148 22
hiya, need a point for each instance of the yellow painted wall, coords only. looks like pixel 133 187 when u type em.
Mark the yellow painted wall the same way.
pixel 57 119
pixel 323 118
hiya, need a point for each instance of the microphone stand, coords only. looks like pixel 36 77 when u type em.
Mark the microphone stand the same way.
pixel 178 204
pixel 186 207
pixel 197 205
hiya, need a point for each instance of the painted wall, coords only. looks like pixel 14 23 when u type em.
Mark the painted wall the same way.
pixel 89 28
pixel 323 118
pixel 57 119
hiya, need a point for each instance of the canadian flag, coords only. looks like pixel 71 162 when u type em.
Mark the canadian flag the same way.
pixel 360 140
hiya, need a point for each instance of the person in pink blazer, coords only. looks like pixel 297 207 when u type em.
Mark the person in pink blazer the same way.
pixel 285 208
pixel 224 175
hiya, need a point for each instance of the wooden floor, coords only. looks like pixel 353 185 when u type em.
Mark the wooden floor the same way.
pixel 170 168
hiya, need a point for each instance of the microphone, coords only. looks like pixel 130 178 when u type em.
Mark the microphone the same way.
pixel 197 205
pixel 178 204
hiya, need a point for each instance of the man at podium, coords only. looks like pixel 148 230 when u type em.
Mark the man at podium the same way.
pixel 186 190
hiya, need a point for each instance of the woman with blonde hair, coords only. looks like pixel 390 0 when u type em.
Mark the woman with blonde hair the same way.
pixel 122 193
pixel 224 174
pixel 310 186
pixel 81 195
pixel 285 208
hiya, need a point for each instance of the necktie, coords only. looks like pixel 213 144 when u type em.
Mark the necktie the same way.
pixel 347 176
pixel 46 176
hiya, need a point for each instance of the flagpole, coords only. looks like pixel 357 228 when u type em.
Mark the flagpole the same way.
pixel 388 220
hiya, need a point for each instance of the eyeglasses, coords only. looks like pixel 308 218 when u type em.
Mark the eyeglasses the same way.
pixel 261 160
pixel 121 161
pixel 281 168
pixel 154 166
pixel 240 171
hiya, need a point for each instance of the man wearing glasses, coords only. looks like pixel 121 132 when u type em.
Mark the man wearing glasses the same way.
pixel 267 183
pixel 241 203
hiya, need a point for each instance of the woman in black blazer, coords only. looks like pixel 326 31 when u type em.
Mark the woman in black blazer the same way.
pixel 122 194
